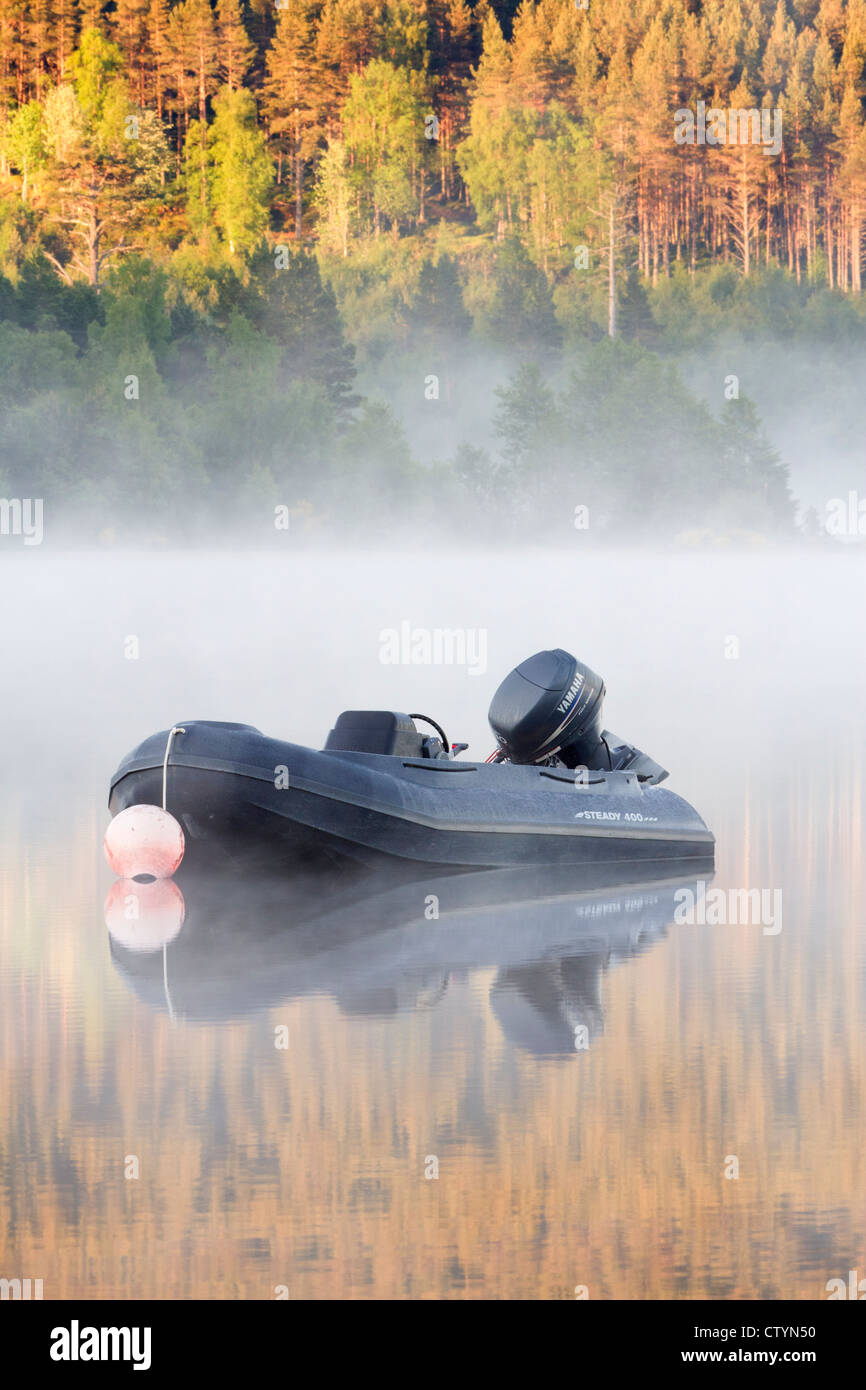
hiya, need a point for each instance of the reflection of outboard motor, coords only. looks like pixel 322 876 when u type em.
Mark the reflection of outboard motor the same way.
pixel 552 1007
pixel 548 710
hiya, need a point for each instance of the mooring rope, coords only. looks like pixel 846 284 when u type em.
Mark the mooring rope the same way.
pixel 175 730
pixel 165 981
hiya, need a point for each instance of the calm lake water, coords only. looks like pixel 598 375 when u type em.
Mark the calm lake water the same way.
pixel 543 1090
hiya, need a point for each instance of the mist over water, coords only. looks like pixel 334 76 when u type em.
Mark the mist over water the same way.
pixel 602 1165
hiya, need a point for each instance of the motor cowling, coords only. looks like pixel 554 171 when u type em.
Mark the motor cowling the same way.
pixel 551 704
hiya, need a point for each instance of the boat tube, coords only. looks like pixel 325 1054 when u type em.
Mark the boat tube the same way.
pixel 558 791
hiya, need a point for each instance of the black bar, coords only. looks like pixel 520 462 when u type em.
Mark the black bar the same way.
pixel 228 1338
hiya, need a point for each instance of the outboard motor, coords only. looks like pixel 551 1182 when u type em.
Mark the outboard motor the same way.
pixel 550 704
pixel 549 709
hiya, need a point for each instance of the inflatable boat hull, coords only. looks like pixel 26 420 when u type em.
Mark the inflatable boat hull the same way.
pixel 231 786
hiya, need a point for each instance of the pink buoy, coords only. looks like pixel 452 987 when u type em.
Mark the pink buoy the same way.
pixel 144 916
pixel 144 840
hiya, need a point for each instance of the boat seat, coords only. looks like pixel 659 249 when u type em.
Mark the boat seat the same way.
pixel 375 731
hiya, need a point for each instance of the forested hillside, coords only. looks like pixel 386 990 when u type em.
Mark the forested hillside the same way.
pixel 440 256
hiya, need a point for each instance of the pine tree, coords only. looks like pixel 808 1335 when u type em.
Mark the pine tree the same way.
pixel 529 427
pixel 532 68
pixel 202 38
pixel 39 43
pixel 129 29
pixel 298 311
pixel 295 93
pixel 654 85
pixel 177 51
pixel 159 52
pixel 438 313
pixel 235 47
pixel 451 64
pixel 492 157
pixel 65 32
pixel 492 85
pixel 779 51
pixel 193 41
pixel 851 152
pixel 518 306
pixel 798 189
pixel 750 469
pixel 347 38
pixel 11 55
pixel 92 14
pixel 738 169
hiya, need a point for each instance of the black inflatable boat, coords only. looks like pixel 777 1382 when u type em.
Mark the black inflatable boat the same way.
pixel 558 791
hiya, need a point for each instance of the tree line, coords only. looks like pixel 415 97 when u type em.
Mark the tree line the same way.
pixel 251 199
pixel 552 121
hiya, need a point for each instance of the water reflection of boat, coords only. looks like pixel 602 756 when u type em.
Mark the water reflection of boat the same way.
pixel 382 946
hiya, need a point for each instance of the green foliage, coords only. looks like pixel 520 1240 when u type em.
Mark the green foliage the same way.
pixel 383 125
pixel 198 179
pixel 106 163
pixel 625 437
pixel 493 161
pixel 437 311
pixel 25 144
pixel 42 302
pixel 142 234
pixel 19 235
pixel 377 437
pixel 252 423
pixel 770 305
pixel 510 299
pixel 135 303
pixel 290 304
pixel 92 66
pixel 242 172
pixel 335 199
